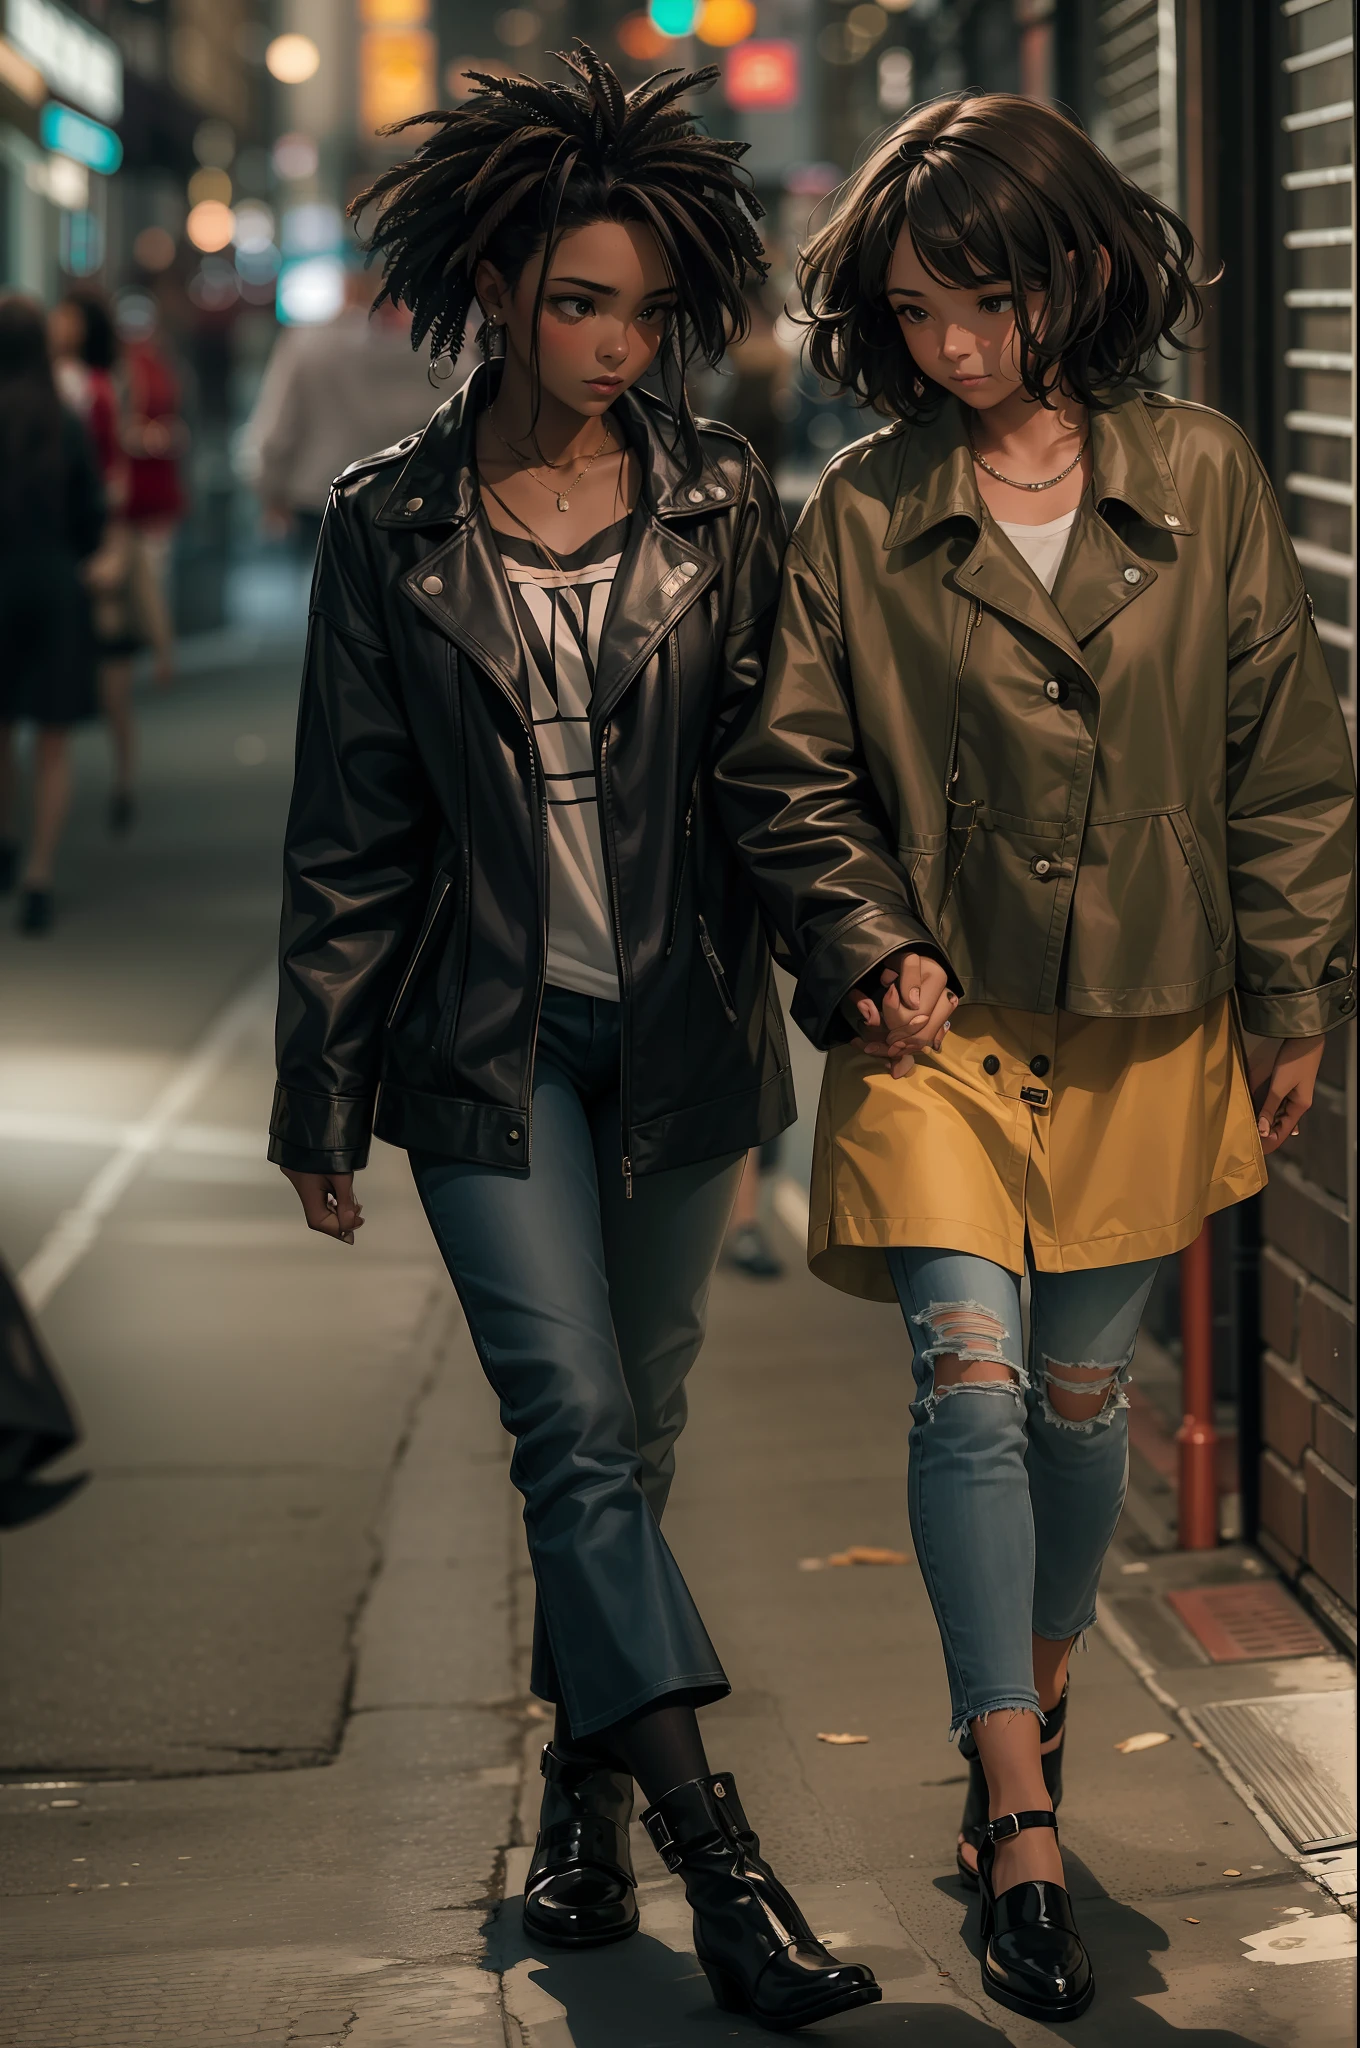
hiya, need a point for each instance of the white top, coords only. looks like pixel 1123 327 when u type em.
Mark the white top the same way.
pixel 1043 547
pixel 560 615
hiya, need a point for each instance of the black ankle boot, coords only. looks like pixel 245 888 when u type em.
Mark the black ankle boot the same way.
pixel 1033 1959
pixel 757 1951
pixel 579 1891
pixel 977 1804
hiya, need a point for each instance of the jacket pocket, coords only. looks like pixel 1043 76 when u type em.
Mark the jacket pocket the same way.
pixel 715 968
pixel 433 919
pixel 1183 827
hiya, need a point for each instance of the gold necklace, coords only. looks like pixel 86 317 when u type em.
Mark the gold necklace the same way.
pixel 560 492
pixel 1015 484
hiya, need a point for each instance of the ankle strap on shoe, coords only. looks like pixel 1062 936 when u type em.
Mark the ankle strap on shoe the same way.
pixel 1007 1826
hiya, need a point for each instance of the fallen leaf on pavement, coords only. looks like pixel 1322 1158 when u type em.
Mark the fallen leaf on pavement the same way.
pixel 1232 1873
pixel 842 1738
pixel 1132 1743
pixel 867 1553
pixel 1189 1922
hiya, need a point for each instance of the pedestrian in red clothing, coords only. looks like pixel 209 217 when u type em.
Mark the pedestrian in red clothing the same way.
pixel 154 437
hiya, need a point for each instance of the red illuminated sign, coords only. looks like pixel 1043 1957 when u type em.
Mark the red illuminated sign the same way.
pixel 762 74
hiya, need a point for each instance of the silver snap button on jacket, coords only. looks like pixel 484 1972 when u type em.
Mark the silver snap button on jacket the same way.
pixel 432 585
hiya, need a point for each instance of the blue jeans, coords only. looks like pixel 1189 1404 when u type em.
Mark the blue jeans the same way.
pixel 587 1310
pixel 1012 1505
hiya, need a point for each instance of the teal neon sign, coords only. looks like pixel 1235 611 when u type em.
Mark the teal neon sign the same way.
pixel 76 135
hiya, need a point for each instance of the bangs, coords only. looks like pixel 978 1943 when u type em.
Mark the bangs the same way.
pixel 998 190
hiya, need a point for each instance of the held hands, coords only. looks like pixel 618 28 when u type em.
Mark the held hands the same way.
pixel 913 1012
pixel 1282 1073
pixel 328 1202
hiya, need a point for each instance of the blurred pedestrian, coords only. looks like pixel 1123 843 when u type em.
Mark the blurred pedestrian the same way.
pixel 85 356
pixel 330 394
pixel 154 439
pixel 748 1249
pixel 51 521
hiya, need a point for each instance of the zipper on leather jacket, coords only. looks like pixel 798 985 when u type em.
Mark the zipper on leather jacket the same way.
pixel 680 871
pixel 620 961
pixel 431 919
pixel 715 968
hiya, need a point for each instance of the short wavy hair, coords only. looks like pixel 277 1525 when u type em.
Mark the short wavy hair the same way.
pixel 998 189
pixel 524 161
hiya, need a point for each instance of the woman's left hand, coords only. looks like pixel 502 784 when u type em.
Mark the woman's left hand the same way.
pixel 1282 1073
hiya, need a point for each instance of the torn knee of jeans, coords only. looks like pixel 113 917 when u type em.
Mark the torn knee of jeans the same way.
pixel 1085 1381
pixel 961 1334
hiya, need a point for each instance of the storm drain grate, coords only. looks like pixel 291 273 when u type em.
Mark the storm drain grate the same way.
pixel 1297 1754
pixel 1247 1624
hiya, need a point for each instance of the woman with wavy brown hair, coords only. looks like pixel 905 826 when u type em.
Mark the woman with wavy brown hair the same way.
pixel 1049 794
pixel 515 940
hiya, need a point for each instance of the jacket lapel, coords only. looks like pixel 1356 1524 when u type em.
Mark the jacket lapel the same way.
pixel 461 586
pixel 659 578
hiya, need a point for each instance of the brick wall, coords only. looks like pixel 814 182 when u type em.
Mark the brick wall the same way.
pixel 1308 1391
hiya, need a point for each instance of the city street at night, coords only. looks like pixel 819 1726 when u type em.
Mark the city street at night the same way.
pixel 269 1758
pixel 571 572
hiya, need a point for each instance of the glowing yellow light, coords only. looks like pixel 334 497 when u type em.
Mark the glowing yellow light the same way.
pixel 722 23
pixel 292 59
pixel 209 183
pixel 210 225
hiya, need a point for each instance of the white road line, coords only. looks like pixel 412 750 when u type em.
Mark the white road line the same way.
pixel 76 1229
pixel 42 1127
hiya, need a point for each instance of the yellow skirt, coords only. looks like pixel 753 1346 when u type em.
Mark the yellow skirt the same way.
pixel 1101 1140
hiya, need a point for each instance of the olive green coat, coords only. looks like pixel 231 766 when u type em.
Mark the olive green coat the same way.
pixel 1122 801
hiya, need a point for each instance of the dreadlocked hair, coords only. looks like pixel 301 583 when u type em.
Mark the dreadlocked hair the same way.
pixel 524 160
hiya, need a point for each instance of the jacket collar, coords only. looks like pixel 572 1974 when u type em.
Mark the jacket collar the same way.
pixel 437 484
pixel 936 479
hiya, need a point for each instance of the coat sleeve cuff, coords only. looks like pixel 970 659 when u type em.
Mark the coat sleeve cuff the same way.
pixel 320 1133
pixel 1300 1015
pixel 849 952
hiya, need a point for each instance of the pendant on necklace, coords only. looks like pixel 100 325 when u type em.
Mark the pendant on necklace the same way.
pixel 562 504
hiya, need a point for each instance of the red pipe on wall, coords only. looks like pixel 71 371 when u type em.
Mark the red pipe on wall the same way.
pixel 1197 1437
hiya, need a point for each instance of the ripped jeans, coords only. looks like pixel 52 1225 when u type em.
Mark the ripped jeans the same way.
pixel 1012 1505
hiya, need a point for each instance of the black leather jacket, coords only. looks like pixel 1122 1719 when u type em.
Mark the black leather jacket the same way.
pixel 415 891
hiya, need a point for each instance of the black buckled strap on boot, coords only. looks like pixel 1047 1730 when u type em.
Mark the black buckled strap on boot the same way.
pixel 755 1946
pixel 1033 1958
pixel 580 1886
pixel 977 1802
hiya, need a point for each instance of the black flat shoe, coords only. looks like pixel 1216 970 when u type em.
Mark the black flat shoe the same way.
pixel 976 1805
pixel 36 913
pixel 580 1889
pixel 757 1951
pixel 1033 1959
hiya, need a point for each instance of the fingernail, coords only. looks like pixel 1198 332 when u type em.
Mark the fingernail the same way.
pixel 1263 1127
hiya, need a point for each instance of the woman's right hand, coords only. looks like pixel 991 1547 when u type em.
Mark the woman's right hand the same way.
pixel 328 1202
pixel 913 1012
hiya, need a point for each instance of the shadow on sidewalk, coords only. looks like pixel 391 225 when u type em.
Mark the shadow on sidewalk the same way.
pixel 642 1993
pixel 1123 1943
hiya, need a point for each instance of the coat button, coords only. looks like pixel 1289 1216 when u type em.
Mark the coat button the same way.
pixel 1172 520
pixel 414 504
pixel 696 497
pixel 1053 690
pixel 1038 1066
pixel 512 1137
pixel 1041 867
pixel 991 1065
pixel 432 585
pixel 1133 575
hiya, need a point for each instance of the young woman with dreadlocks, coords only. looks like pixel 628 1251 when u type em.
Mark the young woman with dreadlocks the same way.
pixel 515 941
